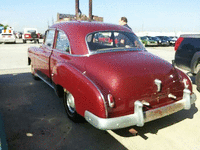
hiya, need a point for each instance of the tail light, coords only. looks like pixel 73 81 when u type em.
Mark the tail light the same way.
pixel 27 36
pixel 111 101
pixel 178 42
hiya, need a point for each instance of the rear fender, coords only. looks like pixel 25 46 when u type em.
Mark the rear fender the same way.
pixel 86 93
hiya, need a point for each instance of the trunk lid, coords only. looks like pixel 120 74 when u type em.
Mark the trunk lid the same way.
pixel 130 76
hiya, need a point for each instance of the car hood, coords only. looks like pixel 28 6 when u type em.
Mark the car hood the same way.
pixel 130 76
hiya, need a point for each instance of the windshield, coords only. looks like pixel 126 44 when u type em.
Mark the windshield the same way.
pixel 31 31
pixel 113 41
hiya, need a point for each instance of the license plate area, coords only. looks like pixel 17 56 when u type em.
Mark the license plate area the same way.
pixel 162 111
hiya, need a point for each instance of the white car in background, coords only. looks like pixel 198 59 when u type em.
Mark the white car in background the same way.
pixel 30 34
pixel 8 36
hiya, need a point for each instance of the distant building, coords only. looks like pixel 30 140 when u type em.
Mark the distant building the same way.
pixel 65 17
pixel 70 17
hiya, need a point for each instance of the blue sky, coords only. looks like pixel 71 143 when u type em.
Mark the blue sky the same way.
pixel 143 15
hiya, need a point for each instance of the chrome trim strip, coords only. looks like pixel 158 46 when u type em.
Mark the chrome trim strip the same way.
pixel 67 39
pixel 73 55
pixel 45 81
pixel 106 109
pixel 37 57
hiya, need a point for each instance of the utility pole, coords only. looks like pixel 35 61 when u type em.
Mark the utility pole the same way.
pixel 90 10
pixel 77 9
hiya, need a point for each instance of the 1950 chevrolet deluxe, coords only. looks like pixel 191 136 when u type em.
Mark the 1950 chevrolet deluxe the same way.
pixel 113 83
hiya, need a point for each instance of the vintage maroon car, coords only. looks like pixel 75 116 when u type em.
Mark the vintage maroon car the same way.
pixel 111 85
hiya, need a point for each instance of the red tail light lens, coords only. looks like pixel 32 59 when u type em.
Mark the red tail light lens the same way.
pixel 27 36
pixel 178 42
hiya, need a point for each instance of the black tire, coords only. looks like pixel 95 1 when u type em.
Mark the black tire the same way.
pixel 24 41
pixel 69 104
pixel 198 81
pixel 33 73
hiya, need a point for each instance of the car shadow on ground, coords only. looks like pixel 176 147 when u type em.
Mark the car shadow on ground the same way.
pixel 34 118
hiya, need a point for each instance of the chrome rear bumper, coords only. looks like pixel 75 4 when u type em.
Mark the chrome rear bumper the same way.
pixel 139 117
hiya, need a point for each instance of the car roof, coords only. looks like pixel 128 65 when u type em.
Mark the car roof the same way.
pixel 190 35
pixel 78 30
pixel 90 26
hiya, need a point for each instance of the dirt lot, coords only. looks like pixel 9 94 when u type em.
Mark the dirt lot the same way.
pixel 34 117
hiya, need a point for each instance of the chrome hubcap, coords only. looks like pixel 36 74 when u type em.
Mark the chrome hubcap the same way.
pixel 70 102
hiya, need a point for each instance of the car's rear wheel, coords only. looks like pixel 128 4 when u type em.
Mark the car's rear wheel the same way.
pixel 69 103
pixel 33 73
pixel 198 80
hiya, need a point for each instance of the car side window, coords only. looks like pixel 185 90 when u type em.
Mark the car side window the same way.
pixel 62 42
pixel 49 38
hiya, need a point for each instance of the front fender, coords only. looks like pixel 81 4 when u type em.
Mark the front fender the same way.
pixel 87 95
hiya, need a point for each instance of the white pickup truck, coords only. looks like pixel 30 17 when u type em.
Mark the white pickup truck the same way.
pixel 30 34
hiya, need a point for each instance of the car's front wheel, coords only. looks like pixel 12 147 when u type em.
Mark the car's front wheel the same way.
pixel 69 103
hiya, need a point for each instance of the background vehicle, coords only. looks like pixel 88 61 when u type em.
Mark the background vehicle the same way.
pixel 187 54
pixel 148 41
pixel 30 34
pixel 172 40
pixel 8 36
pixel 1 28
pixel 157 40
pixel 19 34
pixel 164 40
pixel 112 85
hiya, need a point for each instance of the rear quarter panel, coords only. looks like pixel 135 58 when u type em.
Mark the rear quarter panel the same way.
pixel 86 94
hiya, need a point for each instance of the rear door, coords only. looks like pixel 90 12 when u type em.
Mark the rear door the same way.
pixel 43 59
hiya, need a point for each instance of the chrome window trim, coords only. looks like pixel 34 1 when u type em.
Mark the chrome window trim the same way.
pixel 70 51
pixel 53 38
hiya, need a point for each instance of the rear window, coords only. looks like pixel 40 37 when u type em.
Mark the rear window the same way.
pixel 31 31
pixel 112 41
pixel 190 43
